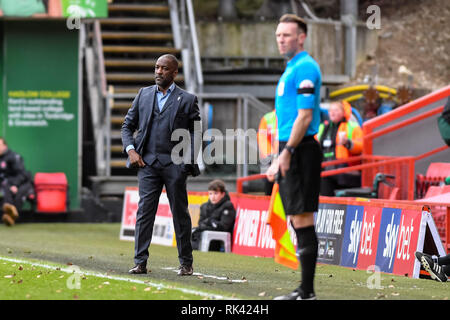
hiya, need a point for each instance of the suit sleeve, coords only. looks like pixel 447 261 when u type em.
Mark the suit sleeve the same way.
pixel 195 130
pixel 130 123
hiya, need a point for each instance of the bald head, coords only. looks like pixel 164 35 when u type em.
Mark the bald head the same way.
pixel 172 60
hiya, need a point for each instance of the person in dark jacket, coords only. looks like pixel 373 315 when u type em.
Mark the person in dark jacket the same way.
pixel 444 123
pixel 15 183
pixel 218 214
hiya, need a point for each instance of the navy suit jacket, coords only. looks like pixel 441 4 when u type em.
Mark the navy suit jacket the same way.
pixel 183 115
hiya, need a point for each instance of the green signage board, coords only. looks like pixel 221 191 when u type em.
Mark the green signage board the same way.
pixel 40 108
pixel 85 8
pixel 54 8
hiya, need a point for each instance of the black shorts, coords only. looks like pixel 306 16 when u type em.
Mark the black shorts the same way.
pixel 300 187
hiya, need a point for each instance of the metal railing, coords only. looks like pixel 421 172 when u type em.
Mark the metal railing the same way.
pixel 244 102
pixel 96 81
pixel 185 38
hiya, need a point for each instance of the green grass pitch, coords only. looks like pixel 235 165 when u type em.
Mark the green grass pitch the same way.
pixel 88 262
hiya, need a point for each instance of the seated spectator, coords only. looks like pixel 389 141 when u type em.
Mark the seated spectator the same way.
pixel 15 183
pixel 217 214
pixel 340 138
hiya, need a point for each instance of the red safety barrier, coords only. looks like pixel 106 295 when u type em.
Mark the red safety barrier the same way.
pixel 440 210
pixel 401 167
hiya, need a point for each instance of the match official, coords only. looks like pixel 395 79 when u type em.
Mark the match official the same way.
pixel 300 156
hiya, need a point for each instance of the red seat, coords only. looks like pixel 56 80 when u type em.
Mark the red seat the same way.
pixel 438 170
pixel 51 192
pixel 435 176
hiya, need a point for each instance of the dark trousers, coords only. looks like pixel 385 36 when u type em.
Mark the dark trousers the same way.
pixel 18 198
pixel 151 181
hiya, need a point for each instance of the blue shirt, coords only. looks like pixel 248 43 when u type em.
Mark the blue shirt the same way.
pixel 163 98
pixel 298 88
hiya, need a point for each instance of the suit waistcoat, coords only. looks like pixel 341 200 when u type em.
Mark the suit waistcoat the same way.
pixel 159 145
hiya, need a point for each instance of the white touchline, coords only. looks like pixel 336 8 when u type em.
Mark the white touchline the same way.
pixel 105 276
pixel 206 275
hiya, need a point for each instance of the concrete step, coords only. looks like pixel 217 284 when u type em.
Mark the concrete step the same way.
pixel 121 105
pixel 126 89
pixel 117 148
pixel 132 63
pixel 135 21
pixel 121 35
pixel 118 163
pixel 117 120
pixel 140 49
pixel 131 7
pixel 136 77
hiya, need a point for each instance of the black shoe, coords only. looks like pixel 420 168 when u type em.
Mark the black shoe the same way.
pixel 431 266
pixel 138 269
pixel 297 294
pixel 185 270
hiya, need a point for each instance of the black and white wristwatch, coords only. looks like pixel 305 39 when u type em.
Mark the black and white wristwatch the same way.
pixel 289 149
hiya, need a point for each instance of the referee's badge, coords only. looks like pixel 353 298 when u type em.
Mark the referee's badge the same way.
pixel 280 89
pixel 306 88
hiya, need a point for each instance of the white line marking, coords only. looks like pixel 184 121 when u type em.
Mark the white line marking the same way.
pixel 207 275
pixel 105 276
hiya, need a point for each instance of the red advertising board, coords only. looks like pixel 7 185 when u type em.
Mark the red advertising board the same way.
pixel 407 241
pixel 252 236
pixel 355 233
pixel 370 230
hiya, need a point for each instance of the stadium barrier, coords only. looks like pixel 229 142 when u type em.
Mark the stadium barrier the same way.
pixel 356 233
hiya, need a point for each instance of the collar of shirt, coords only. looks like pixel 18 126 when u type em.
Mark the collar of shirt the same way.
pixel 163 98
pixel 159 92
pixel 297 57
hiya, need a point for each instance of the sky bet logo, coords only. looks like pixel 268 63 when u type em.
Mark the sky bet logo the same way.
pixel 387 243
pixel 405 237
pixel 355 235
pixel 352 238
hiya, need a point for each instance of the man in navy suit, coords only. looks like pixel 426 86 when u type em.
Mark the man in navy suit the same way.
pixel 156 112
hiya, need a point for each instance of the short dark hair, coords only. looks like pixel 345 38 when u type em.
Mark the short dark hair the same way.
pixel 217 185
pixel 172 58
pixel 290 17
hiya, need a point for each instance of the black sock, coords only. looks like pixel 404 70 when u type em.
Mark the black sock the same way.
pixel 446 269
pixel 307 244
pixel 444 260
